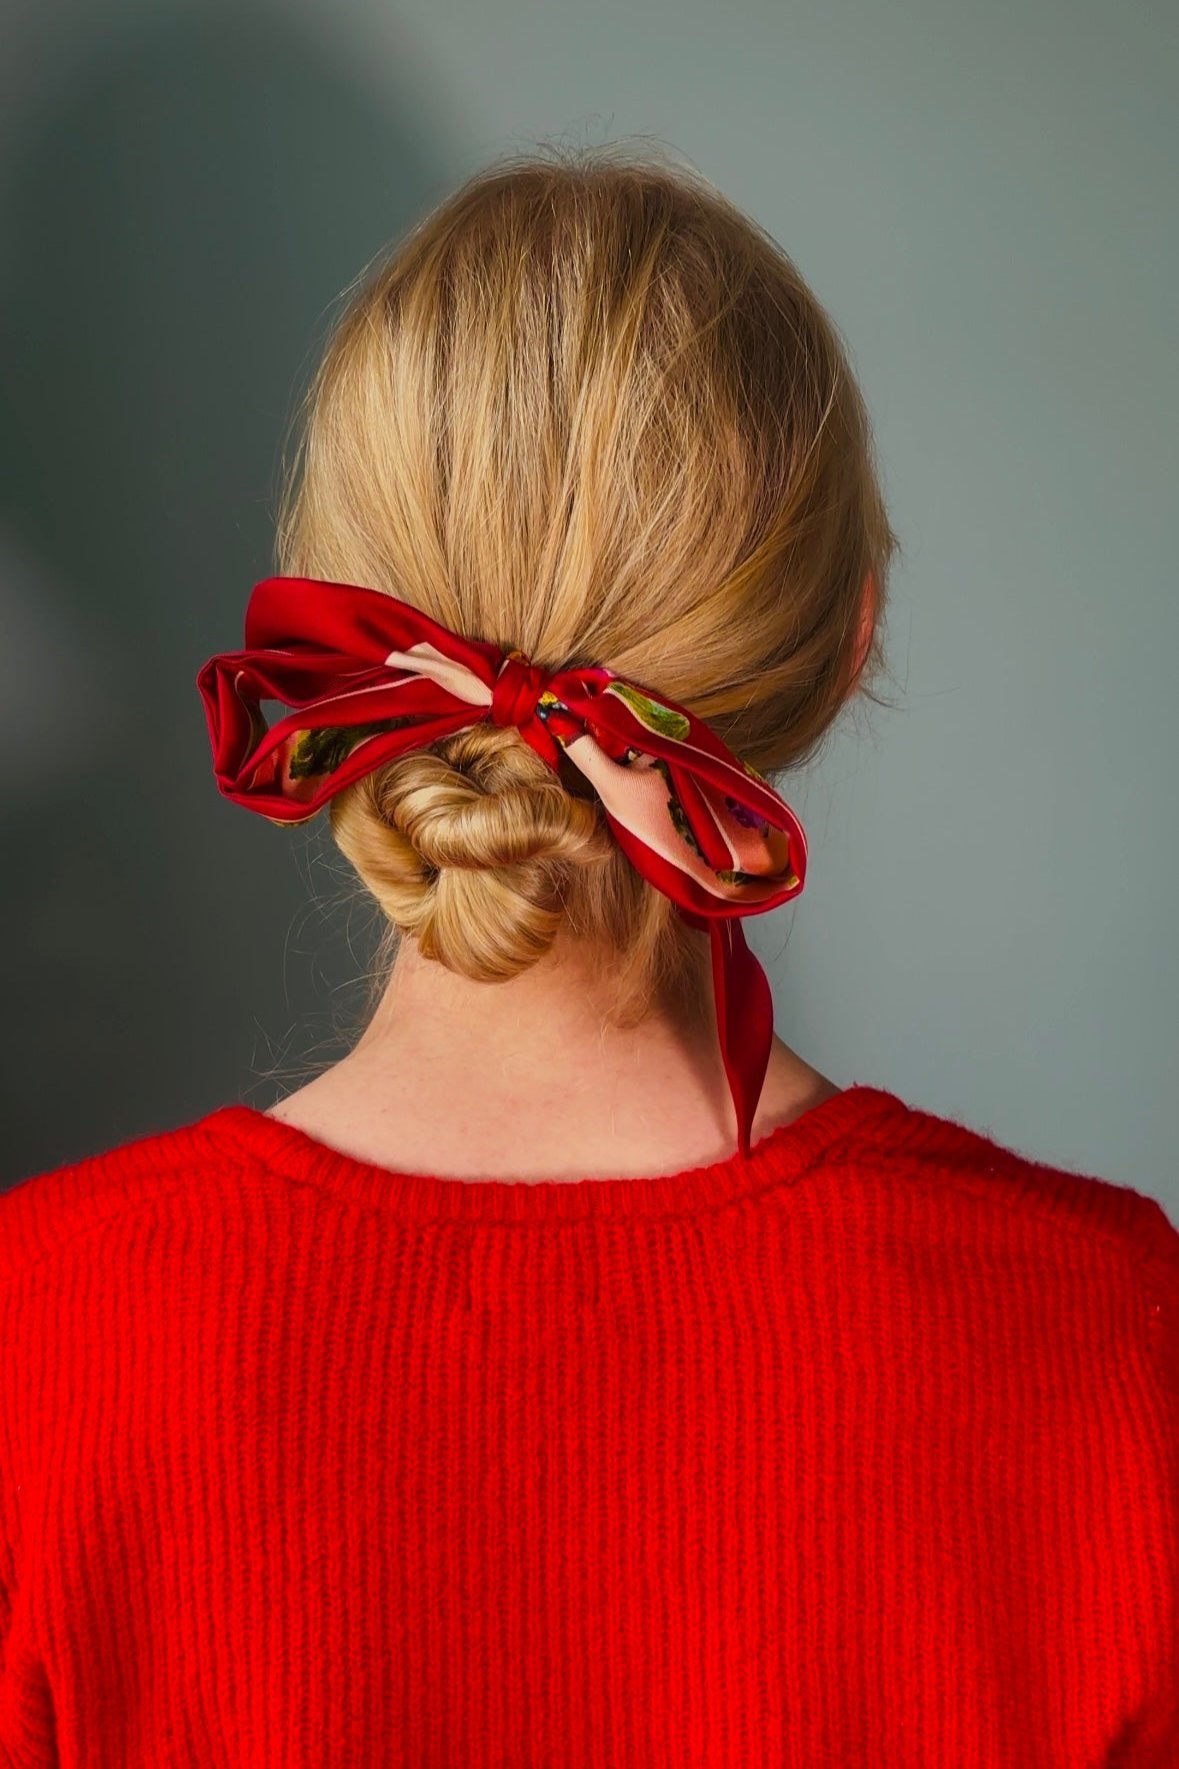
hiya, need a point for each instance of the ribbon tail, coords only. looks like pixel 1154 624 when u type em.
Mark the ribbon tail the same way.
pixel 744 1019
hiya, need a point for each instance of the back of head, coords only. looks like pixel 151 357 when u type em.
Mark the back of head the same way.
pixel 589 409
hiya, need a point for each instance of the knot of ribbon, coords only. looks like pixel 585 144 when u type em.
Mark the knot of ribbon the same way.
pixel 369 677
pixel 517 689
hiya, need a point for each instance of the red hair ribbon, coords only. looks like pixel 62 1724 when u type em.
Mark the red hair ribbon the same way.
pixel 371 677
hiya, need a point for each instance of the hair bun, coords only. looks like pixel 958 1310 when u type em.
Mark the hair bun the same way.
pixel 469 846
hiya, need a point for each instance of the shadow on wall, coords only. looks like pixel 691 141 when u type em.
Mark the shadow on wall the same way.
pixel 178 227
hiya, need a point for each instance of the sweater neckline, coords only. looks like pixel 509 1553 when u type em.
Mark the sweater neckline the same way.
pixel 783 1155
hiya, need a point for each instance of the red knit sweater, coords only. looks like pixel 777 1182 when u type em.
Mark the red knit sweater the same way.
pixel 861 1451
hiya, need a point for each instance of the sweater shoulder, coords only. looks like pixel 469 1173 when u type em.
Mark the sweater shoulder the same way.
pixel 1000 1179
pixel 43 1211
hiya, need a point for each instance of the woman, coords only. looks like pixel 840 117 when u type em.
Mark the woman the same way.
pixel 573 1375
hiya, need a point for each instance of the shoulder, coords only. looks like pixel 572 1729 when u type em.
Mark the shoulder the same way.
pixel 965 1172
pixel 1048 1295
pixel 43 1212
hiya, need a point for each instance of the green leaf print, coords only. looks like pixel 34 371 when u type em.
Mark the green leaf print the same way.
pixel 652 713
pixel 322 750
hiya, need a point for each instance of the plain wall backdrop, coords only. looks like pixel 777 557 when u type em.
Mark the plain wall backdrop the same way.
pixel 983 198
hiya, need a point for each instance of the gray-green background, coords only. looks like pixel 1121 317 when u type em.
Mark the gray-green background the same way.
pixel 983 196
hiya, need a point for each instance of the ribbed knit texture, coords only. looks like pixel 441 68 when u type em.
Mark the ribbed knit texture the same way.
pixel 863 1450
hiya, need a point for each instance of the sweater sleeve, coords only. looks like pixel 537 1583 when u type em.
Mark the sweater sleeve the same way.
pixel 27 1734
pixel 1153 1740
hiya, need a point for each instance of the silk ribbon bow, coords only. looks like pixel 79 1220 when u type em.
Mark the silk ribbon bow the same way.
pixel 370 677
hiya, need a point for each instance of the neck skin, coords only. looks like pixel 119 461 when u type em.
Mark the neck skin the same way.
pixel 523 1080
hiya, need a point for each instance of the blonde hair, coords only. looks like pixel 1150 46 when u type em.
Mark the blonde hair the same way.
pixel 588 408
